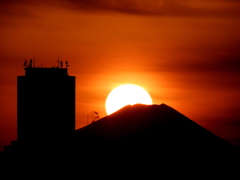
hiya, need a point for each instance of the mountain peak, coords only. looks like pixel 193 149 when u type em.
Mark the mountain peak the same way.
pixel 139 124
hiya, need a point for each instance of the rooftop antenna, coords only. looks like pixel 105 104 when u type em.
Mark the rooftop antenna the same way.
pixel 25 63
pixel 30 63
pixel 61 64
pixel 66 64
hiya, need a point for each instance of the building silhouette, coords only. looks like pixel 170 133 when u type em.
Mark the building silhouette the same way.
pixel 45 109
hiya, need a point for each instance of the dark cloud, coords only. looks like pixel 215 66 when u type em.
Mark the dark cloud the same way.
pixel 140 7
pixel 13 8
pixel 137 7
pixel 25 8
pixel 160 7
pixel 230 65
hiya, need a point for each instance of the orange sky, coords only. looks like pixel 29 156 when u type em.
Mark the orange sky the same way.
pixel 184 53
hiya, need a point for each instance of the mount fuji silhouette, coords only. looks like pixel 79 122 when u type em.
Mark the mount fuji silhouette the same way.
pixel 152 132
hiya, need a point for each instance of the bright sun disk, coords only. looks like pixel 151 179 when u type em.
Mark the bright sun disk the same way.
pixel 127 94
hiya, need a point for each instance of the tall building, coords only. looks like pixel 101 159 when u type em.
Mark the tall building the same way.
pixel 45 108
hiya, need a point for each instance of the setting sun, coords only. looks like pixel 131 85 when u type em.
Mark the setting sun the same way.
pixel 127 94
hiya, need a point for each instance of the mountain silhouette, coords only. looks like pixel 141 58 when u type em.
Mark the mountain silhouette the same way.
pixel 142 132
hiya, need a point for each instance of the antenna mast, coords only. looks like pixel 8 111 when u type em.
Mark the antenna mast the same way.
pixel 25 63
pixel 66 64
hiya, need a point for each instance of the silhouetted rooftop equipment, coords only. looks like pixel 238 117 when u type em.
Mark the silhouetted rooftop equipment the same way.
pixel 31 70
pixel 61 64
pixel 66 64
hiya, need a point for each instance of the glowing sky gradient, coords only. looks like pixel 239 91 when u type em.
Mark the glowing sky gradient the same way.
pixel 186 54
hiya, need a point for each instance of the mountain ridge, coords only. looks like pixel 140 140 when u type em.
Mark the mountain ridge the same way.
pixel 155 123
pixel 138 135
